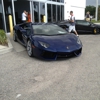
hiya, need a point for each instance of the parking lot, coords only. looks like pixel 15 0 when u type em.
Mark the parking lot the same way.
pixel 77 78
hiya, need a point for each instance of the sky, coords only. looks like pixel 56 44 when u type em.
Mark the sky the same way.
pixel 92 2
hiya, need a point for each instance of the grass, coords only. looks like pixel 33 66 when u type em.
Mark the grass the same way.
pixel 3 38
pixel 95 21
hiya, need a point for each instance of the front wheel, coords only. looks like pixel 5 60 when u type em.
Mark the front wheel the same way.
pixel 29 48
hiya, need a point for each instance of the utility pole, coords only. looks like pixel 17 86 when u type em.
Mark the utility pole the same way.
pixel 96 10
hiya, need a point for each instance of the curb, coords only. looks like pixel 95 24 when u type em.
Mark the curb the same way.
pixel 97 23
pixel 7 49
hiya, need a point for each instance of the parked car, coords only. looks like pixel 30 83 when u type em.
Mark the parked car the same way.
pixel 47 41
pixel 82 26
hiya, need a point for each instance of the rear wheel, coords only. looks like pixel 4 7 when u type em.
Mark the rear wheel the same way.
pixel 29 48
pixel 14 36
pixel 95 30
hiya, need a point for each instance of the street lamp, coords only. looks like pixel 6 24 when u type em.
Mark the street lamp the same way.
pixel 96 10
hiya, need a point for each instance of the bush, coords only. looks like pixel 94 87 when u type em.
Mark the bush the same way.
pixel 93 21
pixel 3 37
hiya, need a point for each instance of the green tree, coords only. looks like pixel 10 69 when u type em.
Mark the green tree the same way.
pixel 99 12
pixel 91 9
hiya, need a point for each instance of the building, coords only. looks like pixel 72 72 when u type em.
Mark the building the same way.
pixel 77 6
pixel 54 10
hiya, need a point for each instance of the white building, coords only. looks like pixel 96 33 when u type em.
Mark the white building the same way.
pixel 53 10
pixel 77 6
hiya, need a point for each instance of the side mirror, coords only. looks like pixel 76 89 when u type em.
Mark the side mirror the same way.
pixel 91 23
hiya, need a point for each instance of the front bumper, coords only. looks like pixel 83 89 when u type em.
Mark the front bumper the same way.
pixel 54 55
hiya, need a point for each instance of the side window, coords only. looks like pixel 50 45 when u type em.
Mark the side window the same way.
pixel 22 26
pixel 79 22
pixel 86 23
pixel 28 31
pixel 27 27
pixel 63 26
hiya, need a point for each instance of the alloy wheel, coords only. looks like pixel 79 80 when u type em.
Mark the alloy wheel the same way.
pixel 29 48
pixel 95 31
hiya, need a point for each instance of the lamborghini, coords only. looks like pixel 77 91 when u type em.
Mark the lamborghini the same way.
pixel 47 40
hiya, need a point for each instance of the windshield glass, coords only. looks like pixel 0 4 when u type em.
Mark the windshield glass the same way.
pixel 48 30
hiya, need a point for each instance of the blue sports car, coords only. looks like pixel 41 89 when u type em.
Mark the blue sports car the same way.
pixel 47 40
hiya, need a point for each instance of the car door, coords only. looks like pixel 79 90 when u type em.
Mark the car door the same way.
pixel 83 26
pixel 26 32
pixel 23 34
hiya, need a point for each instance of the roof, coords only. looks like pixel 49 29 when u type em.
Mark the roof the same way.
pixel 62 22
pixel 42 23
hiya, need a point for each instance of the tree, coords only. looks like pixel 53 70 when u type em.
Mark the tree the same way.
pixel 99 12
pixel 91 9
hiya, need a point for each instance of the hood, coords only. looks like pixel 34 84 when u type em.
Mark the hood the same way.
pixel 58 41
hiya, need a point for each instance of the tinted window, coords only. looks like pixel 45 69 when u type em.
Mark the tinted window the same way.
pixel 48 30
pixel 26 25
pixel 62 1
pixel 83 23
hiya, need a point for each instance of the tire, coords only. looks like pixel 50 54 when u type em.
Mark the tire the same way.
pixel 29 48
pixel 14 36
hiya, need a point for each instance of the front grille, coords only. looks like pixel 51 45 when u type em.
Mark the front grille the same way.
pixel 65 54
pixel 49 55
pixel 69 54
pixel 53 55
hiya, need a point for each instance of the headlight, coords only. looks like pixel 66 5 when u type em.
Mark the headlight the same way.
pixel 79 41
pixel 45 45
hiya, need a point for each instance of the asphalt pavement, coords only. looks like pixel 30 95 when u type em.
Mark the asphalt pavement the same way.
pixel 26 78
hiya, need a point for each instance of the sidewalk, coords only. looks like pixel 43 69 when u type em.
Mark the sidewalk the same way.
pixel 6 49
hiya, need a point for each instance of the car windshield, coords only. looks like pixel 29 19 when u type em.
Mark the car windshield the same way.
pixel 48 30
